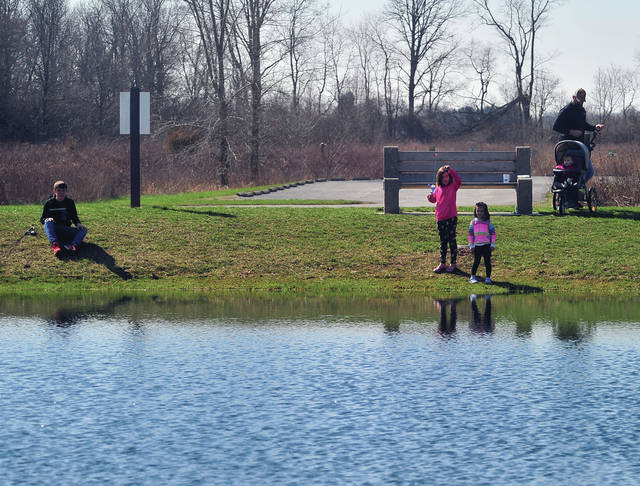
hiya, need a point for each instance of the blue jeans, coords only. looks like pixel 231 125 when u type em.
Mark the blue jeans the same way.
pixel 590 171
pixel 64 234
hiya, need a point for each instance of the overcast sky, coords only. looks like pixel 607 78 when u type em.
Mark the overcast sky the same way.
pixel 583 34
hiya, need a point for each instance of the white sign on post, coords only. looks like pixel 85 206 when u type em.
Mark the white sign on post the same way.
pixel 145 113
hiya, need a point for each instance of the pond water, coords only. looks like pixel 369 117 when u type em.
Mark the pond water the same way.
pixel 502 390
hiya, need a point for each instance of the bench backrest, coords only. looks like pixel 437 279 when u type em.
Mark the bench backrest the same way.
pixel 416 169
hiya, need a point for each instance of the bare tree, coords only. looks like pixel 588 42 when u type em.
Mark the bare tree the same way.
pixel 256 15
pixel 545 93
pixel 422 26
pixel 518 23
pixel 12 52
pixel 482 61
pixel 49 35
pixel 331 74
pixel 607 92
pixel 95 63
pixel 436 85
pixel 298 32
pixel 629 84
pixel 145 40
pixel 616 89
pixel 390 80
pixel 160 23
pixel 339 57
pixel 212 22
pixel 365 46
pixel 192 66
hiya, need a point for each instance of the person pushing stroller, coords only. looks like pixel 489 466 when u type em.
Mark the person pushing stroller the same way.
pixel 572 122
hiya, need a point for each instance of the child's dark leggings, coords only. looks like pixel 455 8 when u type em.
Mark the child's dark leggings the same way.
pixel 478 253
pixel 447 230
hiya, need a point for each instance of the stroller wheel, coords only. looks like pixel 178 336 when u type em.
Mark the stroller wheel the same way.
pixel 592 199
pixel 562 203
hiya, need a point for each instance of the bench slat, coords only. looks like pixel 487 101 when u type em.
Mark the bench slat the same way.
pixel 469 178
pixel 445 157
pixel 461 167
pixel 492 185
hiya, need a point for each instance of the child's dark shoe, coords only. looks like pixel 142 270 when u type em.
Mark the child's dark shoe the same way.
pixel 452 268
pixel 440 268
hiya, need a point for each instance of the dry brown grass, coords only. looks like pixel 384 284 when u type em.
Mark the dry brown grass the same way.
pixel 100 170
pixel 618 174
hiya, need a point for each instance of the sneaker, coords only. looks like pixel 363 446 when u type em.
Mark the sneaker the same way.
pixel 67 247
pixel 440 268
pixel 452 268
pixel 74 248
pixel 473 279
pixel 56 248
pixel 488 281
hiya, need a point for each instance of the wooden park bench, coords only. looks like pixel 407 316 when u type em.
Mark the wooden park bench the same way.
pixel 417 170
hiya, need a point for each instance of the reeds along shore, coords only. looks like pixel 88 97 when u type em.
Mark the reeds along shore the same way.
pixel 100 170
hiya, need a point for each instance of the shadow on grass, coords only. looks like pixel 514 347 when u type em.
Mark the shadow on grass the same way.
pixel 511 288
pixel 95 253
pixel 599 214
pixel 192 211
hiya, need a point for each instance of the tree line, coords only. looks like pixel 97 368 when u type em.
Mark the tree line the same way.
pixel 238 78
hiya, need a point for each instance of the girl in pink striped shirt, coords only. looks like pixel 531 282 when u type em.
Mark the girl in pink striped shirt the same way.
pixel 444 196
pixel 482 241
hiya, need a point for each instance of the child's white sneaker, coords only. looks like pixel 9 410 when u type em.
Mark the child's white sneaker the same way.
pixel 473 279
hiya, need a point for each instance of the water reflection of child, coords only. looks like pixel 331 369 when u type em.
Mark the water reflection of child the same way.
pixel 447 326
pixel 481 323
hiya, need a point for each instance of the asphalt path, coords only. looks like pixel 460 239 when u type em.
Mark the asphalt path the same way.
pixel 371 193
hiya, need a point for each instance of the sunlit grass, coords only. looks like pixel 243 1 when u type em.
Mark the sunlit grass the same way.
pixel 181 243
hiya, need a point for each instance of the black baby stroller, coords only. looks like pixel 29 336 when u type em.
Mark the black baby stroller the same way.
pixel 569 186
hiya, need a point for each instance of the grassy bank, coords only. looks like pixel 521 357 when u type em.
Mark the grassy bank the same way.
pixel 193 243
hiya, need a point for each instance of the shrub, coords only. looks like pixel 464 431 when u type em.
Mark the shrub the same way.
pixel 182 138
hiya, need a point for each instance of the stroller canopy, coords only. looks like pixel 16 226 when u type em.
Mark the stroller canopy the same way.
pixel 577 150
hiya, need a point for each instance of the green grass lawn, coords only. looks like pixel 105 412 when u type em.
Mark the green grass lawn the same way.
pixel 193 243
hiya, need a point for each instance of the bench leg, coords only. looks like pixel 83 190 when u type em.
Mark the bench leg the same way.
pixel 391 196
pixel 524 195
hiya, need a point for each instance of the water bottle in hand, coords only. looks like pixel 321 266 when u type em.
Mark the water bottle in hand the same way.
pixel 433 188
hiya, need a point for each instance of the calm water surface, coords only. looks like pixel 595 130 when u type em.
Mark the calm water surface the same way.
pixel 511 390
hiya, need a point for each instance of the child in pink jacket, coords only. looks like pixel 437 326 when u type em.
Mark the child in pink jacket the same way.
pixel 444 196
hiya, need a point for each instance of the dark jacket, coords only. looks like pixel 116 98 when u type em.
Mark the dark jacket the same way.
pixel 63 212
pixel 572 117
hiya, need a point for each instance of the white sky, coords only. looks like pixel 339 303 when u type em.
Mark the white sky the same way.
pixel 583 34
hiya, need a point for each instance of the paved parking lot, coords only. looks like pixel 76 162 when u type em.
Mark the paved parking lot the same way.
pixel 370 193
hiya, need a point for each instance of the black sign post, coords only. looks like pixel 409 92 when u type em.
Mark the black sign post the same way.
pixel 134 127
